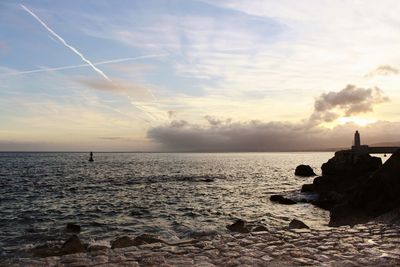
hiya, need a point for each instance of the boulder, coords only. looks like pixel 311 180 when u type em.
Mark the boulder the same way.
pixel 306 188
pixel 378 194
pixel 72 245
pixel 304 170
pixel 327 200
pixel 297 224
pixel 73 228
pixel 239 226
pixel 282 200
pixel 350 162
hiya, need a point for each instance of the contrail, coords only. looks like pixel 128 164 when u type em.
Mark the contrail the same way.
pixel 66 44
pixel 82 65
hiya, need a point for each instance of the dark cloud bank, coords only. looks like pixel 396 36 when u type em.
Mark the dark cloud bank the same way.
pixel 230 136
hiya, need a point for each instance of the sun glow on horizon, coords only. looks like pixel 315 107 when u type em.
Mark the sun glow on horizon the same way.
pixel 357 120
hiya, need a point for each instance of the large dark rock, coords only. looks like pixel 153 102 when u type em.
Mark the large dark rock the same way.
pixel 72 245
pixel 378 194
pixel 341 174
pixel 307 188
pixel 238 226
pixel 304 170
pixel 349 162
pixel 282 200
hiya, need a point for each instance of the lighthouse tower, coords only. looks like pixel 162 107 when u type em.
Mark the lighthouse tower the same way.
pixel 357 140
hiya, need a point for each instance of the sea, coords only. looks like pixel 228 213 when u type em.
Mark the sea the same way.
pixel 173 195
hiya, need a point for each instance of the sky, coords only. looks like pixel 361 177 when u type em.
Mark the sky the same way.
pixel 200 75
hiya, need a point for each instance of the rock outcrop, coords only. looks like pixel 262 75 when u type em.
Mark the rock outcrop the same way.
pixel 350 163
pixel 356 188
pixel 345 171
pixel 378 194
pixel 304 170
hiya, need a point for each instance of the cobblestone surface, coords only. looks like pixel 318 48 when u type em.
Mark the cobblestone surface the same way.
pixel 365 245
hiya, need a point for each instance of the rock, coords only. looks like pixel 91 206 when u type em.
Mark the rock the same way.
pixel 72 245
pixel 73 228
pixel 306 188
pixel 327 200
pixel 122 242
pixel 304 170
pixel 297 224
pixel 46 250
pixel 260 228
pixel 341 174
pixel 146 239
pixel 378 194
pixel 282 200
pixel 239 226
pixel 96 247
pixel 349 162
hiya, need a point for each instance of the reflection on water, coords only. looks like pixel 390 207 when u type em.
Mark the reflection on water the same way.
pixel 173 195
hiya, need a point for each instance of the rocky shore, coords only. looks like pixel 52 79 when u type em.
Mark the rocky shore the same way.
pixel 356 188
pixel 361 193
pixel 372 244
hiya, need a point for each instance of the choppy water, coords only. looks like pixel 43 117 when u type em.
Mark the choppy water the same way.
pixel 171 194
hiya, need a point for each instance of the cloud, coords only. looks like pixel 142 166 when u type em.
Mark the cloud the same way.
pixel 228 135
pixel 383 70
pixel 349 101
pixel 136 91
pixel 171 114
pixel 258 136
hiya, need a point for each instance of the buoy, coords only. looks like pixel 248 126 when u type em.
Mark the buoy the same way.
pixel 91 157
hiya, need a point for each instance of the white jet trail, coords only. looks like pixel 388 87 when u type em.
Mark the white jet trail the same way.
pixel 81 65
pixel 66 44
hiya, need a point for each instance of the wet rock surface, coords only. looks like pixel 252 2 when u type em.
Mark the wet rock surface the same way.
pixel 372 244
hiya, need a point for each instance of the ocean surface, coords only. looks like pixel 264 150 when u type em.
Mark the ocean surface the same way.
pixel 174 195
